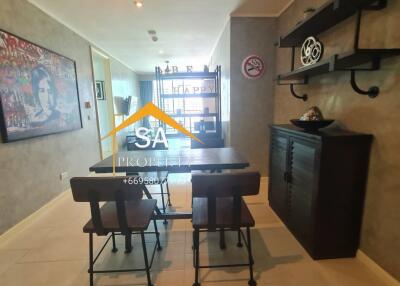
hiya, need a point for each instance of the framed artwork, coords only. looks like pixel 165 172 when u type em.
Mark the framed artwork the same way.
pixel 38 90
pixel 100 95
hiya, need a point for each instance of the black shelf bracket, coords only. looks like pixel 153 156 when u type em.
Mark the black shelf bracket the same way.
pixel 304 97
pixel 372 92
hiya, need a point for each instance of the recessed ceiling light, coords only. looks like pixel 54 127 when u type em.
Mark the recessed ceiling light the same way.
pixel 139 4
pixel 160 52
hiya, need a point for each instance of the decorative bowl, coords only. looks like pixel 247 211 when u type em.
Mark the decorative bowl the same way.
pixel 312 125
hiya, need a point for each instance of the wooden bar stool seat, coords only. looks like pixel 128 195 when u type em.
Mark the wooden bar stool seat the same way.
pixel 138 214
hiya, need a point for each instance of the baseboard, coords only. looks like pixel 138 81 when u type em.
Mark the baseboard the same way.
pixel 11 232
pixel 379 271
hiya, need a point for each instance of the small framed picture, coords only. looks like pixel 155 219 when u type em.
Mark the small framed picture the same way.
pixel 100 95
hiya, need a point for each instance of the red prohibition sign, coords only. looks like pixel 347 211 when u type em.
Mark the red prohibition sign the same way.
pixel 253 67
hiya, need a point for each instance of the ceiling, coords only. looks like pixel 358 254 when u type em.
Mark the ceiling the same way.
pixel 187 30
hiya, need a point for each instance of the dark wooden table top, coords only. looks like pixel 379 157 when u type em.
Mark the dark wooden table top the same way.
pixel 173 160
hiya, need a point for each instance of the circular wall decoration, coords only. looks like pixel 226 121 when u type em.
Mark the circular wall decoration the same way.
pixel 311 51
pixel 253 67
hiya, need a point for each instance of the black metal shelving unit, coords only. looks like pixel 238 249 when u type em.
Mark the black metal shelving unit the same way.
pixel 327 16
pixel 169 94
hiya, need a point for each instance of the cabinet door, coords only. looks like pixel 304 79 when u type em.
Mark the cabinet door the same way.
pixel 277 193
pixel 302 173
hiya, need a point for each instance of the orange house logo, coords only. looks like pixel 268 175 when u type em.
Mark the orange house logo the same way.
pixel 147 110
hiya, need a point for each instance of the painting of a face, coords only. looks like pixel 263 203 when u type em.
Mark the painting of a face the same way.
pixel 38 90
pixel 45 94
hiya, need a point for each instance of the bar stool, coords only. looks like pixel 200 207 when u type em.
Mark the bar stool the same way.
pixel 218 205
pixel 124 213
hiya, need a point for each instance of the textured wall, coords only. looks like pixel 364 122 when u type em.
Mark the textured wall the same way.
pixel 251 101
pixel 380 237
pixel 30 169
pixel 222 56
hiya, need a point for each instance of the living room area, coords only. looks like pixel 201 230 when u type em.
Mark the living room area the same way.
pixel 175 142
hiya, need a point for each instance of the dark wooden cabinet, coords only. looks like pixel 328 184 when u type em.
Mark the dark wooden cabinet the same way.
pixel 317 185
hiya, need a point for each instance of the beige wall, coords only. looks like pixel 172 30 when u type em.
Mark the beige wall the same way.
pixel 30 169
pixel 251 101
pixel 380 237
pixel 247 105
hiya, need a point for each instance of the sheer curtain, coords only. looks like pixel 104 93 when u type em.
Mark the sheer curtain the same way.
pixel 146 96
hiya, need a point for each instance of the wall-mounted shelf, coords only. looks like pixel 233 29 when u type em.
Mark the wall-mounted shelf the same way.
pixel 347 61
pixel 325 17
pixel 187 75
pixel 194 115
pixel 185 95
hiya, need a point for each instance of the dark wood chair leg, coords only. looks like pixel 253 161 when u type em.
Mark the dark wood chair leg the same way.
pixel 114 249
pixel 222 244
pixel 196 242
pixel 146 261
pixel 168 193
pixel 91 259
pixel 157 235
pixel 252 282
pixel 239 244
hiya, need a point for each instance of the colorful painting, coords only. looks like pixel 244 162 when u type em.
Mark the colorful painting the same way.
pixel 38 90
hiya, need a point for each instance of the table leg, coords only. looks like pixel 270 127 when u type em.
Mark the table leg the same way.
pixel 148 195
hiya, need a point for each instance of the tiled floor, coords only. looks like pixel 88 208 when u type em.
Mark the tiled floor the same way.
pixel 52 250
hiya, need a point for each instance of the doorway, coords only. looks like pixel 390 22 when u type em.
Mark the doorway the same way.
pixel 104 99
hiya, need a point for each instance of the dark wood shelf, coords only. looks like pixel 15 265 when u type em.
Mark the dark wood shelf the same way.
pixel 194 115
pixel 184 95
pixel 339 62
pixel 183 75
pixel 325 17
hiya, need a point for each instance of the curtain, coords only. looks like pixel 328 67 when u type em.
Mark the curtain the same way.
pixel 146 95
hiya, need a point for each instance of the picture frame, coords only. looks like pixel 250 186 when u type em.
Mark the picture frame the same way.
pixel 100 94
pixel 38 90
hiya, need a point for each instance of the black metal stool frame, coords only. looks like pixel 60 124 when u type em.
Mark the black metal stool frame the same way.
pixel 147 267
pixel 196 254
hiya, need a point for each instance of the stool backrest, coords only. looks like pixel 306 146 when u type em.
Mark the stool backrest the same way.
pixel 226 185
pixel 235 185
pixel 106 189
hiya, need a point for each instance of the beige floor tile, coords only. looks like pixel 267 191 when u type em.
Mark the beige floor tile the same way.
pixel 28 238
pixel 347 272
pixel 41 274
pixel 62 245
pixel 52 250
pixel 9 257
